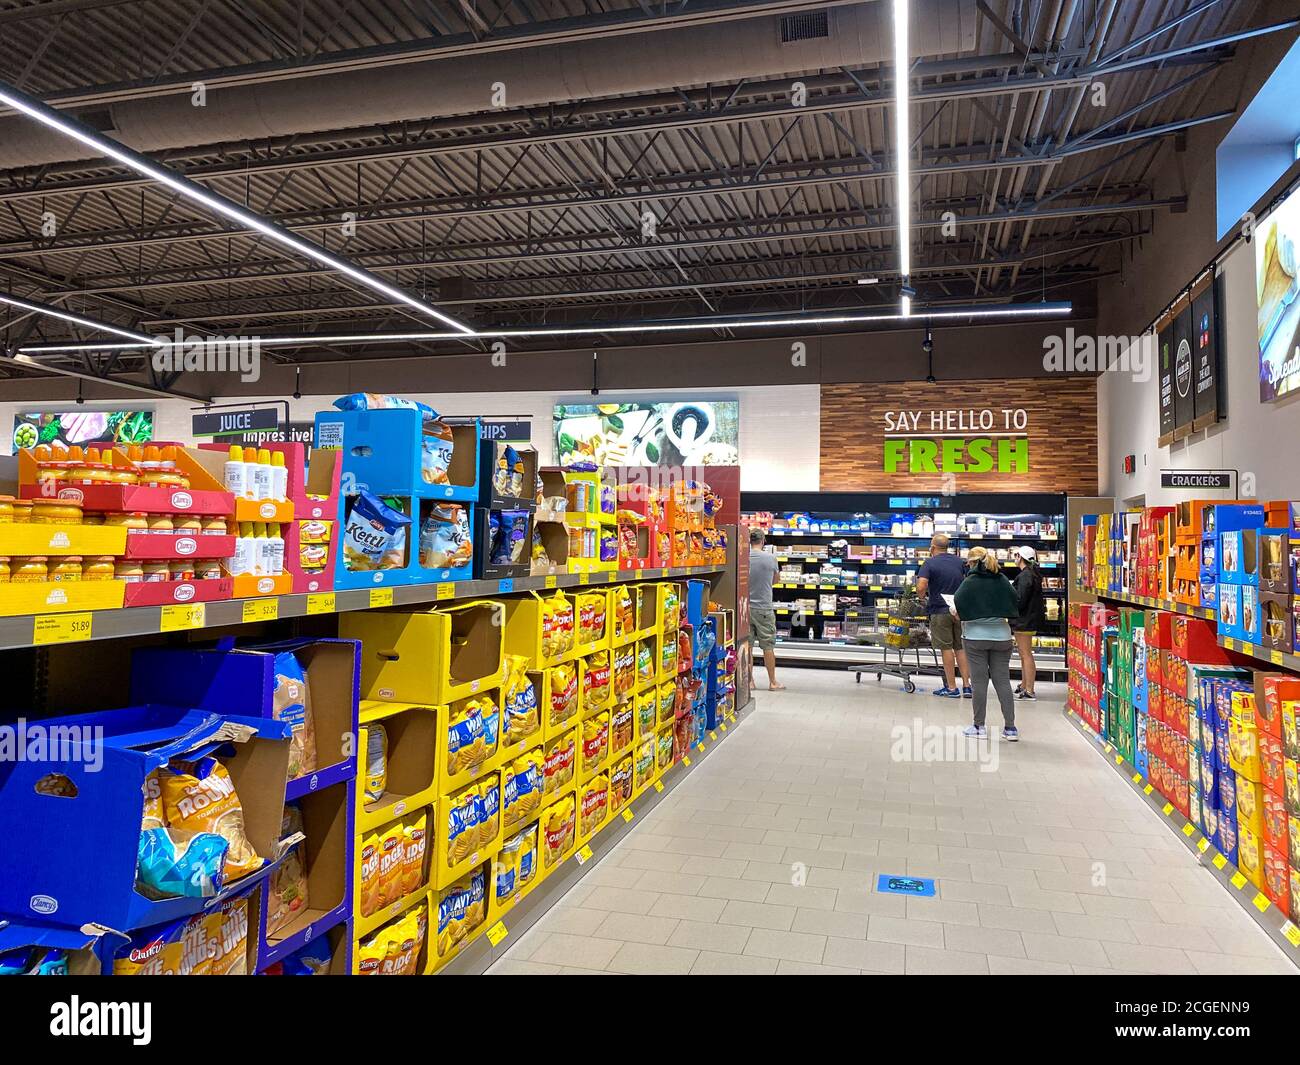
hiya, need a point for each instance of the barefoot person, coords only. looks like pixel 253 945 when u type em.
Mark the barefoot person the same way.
pixel 762 612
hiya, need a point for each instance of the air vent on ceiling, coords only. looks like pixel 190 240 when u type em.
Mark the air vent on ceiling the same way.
pixel 805 26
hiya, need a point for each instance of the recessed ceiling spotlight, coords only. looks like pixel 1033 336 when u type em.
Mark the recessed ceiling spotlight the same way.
pixel 868 281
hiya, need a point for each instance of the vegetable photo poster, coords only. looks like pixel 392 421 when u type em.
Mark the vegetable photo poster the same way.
pixel 691 433
pixel 83 428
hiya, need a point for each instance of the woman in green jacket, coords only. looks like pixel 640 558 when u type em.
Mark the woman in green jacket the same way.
pixel 986 603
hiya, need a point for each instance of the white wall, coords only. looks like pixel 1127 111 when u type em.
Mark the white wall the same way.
pixel 780 425
pixel 1260 439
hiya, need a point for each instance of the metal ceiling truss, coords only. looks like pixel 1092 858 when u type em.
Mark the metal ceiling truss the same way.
pixel 537 214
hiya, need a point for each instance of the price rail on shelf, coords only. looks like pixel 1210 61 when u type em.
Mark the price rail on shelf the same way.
pixel 48 629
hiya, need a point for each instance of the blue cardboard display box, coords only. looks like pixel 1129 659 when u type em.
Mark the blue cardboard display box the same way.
pixel 86 951
pixel 79 809
pixel 413 571
pixel 241 680
pixel 327 861
pixel 382 452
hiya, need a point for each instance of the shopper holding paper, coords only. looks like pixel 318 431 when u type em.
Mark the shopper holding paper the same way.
pixel 986 603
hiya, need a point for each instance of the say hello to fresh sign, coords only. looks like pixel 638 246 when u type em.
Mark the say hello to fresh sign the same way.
pixel 969 440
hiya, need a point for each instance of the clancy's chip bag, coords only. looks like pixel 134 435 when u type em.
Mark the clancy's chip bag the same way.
pixel 374 536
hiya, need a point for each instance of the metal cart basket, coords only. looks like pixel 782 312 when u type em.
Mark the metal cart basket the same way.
pixel 903 636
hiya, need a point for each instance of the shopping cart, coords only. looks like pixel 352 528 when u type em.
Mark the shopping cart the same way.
pixel 903 637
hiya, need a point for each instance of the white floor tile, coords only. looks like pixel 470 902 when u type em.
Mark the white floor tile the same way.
pixel 765 858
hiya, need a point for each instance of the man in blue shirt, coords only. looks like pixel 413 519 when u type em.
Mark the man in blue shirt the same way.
pixel 941 574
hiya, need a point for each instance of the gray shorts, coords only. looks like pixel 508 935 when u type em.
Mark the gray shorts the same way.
pixel 945 632
pixel 762 628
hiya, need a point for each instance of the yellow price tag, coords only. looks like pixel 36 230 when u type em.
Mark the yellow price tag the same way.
pixel 686 759
pixel 180 616
pixel 261 609
pixel 381 597
pixel 1218 861
pixel 550 582
pixel 1238 881
pixel 1189 829
pixel 584 852
pixel 584 578
pixel 713 737
pixel 723 727
pixel 700 747
pixel 321 603
pixel 1137 778
pixel 1202 844
pixel 497 933
pixel 659 785
pixel 627 815
pixel 1167 809
pixel 1148 790
pixel 61 628
pixel 446 590
pixel 1260 902
pixel 1275 657
pixel 1292 934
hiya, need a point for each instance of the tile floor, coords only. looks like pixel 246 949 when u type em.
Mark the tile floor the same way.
pixel 764 859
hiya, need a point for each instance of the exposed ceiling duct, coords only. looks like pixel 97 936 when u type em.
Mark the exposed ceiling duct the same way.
pixel 854 37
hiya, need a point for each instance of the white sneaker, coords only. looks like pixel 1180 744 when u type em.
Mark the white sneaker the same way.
pixel 978 732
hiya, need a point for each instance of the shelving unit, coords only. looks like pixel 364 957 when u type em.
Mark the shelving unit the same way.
pixel 47 629
pixel 865 587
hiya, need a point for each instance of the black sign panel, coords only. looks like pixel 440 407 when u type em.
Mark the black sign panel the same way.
pixel 1183 374
pixel 1165 366
pixel 233 422
pixel 1196 479
pixel 1205 348
pixel 519 432
pixel 299 433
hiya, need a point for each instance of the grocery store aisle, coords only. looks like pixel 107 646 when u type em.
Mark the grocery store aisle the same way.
pixel 764 860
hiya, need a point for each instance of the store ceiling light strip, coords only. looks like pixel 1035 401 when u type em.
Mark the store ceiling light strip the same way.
pixel 1017 310
pixel 902 149
pixel 214 201
pixel 76 319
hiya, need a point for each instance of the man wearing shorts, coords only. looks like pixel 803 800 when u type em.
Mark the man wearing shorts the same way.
pixel 941 574
pixel 762 612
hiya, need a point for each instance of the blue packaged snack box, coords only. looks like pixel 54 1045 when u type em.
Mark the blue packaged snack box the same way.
pixel 80 805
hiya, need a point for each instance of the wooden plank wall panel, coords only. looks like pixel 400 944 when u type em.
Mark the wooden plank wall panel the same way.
pixel 1062 429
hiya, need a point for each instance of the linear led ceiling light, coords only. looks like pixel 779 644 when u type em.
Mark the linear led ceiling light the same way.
pixel 214 201
pixel 76 319
pixel 982 311
pixel 902 151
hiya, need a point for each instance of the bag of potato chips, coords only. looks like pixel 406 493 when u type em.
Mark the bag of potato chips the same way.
pixel 368 890
pixel 415 842
pixel 392 846
pixel 287 894
pixel 200 797
pixel 519 701
pixel 291 702
pixel 374 746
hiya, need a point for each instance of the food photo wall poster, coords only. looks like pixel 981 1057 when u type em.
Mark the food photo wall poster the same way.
pixel 82 428
pixel 680 433
pixel 1277 284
